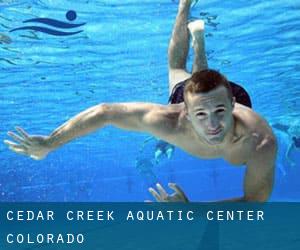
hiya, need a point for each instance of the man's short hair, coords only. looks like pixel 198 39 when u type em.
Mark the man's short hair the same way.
pixel 205 81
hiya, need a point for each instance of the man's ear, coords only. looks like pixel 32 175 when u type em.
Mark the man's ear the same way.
pixel 186 113
pixel 187 116
pixel 233 101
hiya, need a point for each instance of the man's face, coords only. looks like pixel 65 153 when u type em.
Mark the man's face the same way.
pixel 210 114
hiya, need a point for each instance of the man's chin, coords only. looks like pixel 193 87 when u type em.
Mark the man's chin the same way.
pixel 214 140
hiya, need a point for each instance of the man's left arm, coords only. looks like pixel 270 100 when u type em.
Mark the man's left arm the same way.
pixel 259 177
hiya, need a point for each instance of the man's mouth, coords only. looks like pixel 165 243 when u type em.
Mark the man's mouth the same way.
pixel 215 131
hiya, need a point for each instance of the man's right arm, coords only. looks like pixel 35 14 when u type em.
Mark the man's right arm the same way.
pixel 146 117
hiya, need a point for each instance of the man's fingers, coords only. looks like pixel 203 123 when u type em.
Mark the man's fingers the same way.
pixel 23 133
pixel 18 150
pixel 15 147
pixel 177 189
pixel 16 137
pixel 155 194
pixel 11 144
pixel 162 192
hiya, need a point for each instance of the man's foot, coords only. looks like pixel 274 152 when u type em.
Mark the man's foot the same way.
pixel 191 3
pixel 170 152
pixel 196 29
pixel 185 3
pixel 157 156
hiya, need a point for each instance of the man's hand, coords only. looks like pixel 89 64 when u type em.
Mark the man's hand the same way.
pixel 33 146
pixel 163 196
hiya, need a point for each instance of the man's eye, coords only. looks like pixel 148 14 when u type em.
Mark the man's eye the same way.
pixel 219 111
pixel 201 114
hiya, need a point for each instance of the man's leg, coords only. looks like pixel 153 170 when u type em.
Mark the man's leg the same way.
pixel 179 46
pixel 196 29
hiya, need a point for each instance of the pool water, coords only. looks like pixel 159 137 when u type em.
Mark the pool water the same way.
pixel 120 56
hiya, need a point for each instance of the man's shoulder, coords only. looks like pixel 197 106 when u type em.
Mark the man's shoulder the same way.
pixel 167 115
pixel 166 122
pixel 252 124
pixel 249 119
pixel 170 111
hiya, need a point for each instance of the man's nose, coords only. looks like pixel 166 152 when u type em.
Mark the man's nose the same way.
pixel 213 123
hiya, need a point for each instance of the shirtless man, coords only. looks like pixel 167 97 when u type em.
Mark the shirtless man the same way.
pixel 206 119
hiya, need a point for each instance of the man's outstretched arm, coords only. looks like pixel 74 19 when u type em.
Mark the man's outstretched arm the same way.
pixel 146 117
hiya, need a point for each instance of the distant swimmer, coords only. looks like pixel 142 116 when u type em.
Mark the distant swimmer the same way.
pixel 208 117
pixel 145 161
pixel 145 169
pixel 161 149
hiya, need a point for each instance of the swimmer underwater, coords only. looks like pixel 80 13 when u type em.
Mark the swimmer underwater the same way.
pixel 208 117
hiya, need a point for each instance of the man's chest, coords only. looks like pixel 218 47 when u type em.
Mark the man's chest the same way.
pixel 236 153
pixel 239 152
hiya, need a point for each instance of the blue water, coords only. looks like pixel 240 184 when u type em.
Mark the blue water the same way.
pixel 120 56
